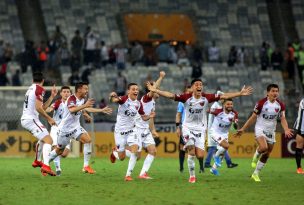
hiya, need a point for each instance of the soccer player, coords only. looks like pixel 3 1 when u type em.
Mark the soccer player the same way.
pixel 299 129
pixel 58 112
pixel 211 143
pixel 266 113
pixel 33 106
pixel 70 127
pixel 195 121
pixel 145 130
pixel 223 119
pixel 125 133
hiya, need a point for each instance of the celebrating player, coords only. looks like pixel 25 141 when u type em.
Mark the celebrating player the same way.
pixel 70 127
pixel 299 128
pixel 219 131
pixel 33 106
pixel 266 113
pixel 195 121
pixel 145 130
pixel 125 133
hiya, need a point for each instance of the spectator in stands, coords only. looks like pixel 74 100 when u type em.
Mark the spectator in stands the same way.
pixel 8 52
pixel 75 62
pixel 197 54
pixel 16 78
pixel 28 57
pixel 1 50
pixel 301 64
pixel 241 55
pixel 64 54
pixel 162 52
pixel 296 46
pixel 232 56
pixel 90 48
pixel 112 55
pixel 74 78
pixel 290 60
pixel 182 58
pixel 121 56
pixel 264 59
pixel 42 52
pixel 59 37
pixel 120 85
pixel 53 58
pixel 277 59
pixel 196 70
pixel 137 53
pixel 76 44
pixel 85 75
pixel 269 52
pixel 104 53
pixel 3 78
pixel 102 103
pixel 213 53
pixel 172 55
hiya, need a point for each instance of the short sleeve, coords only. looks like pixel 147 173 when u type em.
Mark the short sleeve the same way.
pixel 182 97
pixel 122 99
pixel 258 106
pixel 39 93
pixel 141 109
pixel 56 105
pixel 71 101
pixel 211 97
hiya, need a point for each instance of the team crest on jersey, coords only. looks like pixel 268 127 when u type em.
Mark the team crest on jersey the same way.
pixel 230 119
pixel 136 107
pixel 266 109
pixel 202 103
pixel 277 109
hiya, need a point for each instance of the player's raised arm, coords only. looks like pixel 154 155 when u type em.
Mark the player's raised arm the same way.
pixel 160 92
pixel 248 123
pixel 49 101
pixel 73 109
pixel 106 110
pixel 162 74
pixel 244 92
pixel 113 97
pixel 41 111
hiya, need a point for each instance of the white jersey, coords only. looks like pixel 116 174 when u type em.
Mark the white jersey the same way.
pixel 34 92
pixel 268 113
pixel 148 104
pixel 196 110
pixel 58 107
pixel 299 124
pixel 222 121
pixel 71 121
pixel 215 105
pixel 126 115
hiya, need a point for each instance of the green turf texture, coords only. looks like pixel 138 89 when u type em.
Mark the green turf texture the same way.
pixel 22 184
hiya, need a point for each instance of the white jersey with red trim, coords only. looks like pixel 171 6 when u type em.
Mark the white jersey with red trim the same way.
pixel 222 121
pixel 148 104
pixel 34 92
pixel 126 115
pixel 268 113
pixel 196 109
pixel 58 107
pixel 70 121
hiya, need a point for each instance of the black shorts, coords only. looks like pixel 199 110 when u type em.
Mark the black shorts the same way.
pixel 298 132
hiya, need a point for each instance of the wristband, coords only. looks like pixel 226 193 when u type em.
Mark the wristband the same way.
pixel 177 124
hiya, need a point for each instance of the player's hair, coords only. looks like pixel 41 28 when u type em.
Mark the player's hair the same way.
pixel 38 77
pixel 195 80
pixel 65 87
pixel 79 85
pixel 272 86
pixel 130 84
pixel 229 99
pixel 146 88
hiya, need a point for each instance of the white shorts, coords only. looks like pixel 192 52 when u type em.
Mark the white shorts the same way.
pixel 145 138
pixel 218 137
pixel 211 142
pixel 64 138
pixel 197 136
pixel 54 135
pixel 268 135
pixel 123 138
pixel 35 127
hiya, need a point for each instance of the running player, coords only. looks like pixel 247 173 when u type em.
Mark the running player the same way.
pixel 145 130
pixel 195 121
pixel 224 118
pixel 125 133
pixel 33 106
pixel 70 127
pixel 299 128
pixel 211 143
pixel 58 107
pixel 266 113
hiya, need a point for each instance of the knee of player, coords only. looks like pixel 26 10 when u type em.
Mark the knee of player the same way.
pixel 153 152
pixel 226 147
pixel 263 149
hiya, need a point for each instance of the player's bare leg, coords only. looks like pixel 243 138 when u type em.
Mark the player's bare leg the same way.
pixel 262 148
pixel 148 161
pixel 261 163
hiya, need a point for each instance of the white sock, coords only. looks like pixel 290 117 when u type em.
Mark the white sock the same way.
pixel 259 167
pixel 128 153
pixel 257 154
pixel 87 151
pixel 147 164
pixel 191 165
pixel 53 154
pixel 39 147
pixel 220 151
pixel 57 163
pixel 46 153
pixel 132 162
pixel 115 153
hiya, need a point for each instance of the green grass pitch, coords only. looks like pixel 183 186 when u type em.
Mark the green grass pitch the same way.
pixel 22 184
